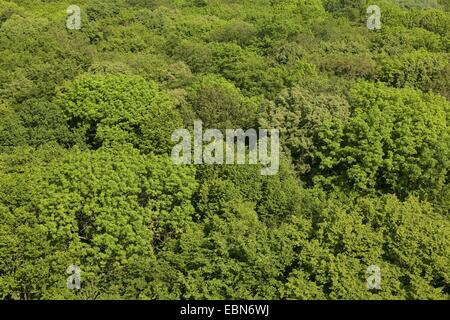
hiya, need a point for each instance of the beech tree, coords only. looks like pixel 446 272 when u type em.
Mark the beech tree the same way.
pixel 88 187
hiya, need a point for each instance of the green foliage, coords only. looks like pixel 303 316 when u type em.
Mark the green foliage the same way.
pixel 86 118
pixel 119 108
pixel 29 48
pixel 302 116
pixel 393 140
pixel 220 104
pixel 397 40
pixel 424 70
pixel 100 209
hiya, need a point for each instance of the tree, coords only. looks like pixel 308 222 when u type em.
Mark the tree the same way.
pixel 419 69
pixel 220 104
pixel 101 210
pixel 117 108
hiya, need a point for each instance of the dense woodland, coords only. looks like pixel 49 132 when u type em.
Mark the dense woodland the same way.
pixel 86 177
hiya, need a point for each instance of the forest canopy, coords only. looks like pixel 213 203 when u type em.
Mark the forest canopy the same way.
pixel 87 179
